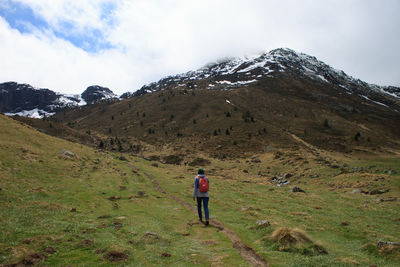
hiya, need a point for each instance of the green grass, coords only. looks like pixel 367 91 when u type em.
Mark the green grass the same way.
pixel 40 187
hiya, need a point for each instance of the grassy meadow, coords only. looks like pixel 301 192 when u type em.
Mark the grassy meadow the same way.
pixel 97 208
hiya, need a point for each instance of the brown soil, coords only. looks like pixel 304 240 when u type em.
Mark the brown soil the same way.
pixel 245 251
pixel 29 260
pixel 50 250
pixel 100 251
pixel 165 255
pixel 114 256
pixel 200 162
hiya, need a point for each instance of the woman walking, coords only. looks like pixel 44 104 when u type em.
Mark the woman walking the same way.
pixel 200 191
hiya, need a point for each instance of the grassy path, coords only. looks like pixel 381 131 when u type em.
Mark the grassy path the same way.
pixel 245 251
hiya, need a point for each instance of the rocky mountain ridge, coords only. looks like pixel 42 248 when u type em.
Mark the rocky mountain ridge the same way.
pixel 25 100
pixel 237 72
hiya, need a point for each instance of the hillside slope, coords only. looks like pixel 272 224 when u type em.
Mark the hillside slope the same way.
pixel 244 119
pixel 101 208
pixel 90 208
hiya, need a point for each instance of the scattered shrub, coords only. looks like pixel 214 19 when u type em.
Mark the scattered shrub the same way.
pixel 357 136
pixel 296 241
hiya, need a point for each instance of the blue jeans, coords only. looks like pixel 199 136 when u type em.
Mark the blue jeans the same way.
pixel 205 204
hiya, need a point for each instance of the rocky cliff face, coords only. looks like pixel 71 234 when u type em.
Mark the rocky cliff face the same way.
pixel 15 98
pixel 25 100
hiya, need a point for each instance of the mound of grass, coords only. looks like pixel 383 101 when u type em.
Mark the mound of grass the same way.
pixel 296 240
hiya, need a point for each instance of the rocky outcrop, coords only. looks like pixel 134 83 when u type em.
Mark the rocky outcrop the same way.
pixel 16 97
pixel 95 93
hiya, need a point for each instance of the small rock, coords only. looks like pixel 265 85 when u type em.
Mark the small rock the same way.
pixel 115 206
pixel 297 189
pixel 151 234
pixel 73 210
pixel 356 191
pixel 122 158
pixel 344 224
pixel 154 164
pixel 318 208
pixel 263 223
pixel 219 147
pixel 256 160
pixel 313 176
pixel 245 171
pixel 67 153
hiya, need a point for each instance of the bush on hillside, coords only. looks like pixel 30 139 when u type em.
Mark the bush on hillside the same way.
pixel 296 241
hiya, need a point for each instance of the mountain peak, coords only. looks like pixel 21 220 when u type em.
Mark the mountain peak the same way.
pixel 230 73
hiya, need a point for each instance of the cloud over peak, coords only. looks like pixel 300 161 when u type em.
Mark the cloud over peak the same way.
pixel 69 45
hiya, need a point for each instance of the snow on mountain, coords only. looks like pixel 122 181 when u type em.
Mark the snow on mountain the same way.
pixel 25 100
pixel 238 72
pixel 225 74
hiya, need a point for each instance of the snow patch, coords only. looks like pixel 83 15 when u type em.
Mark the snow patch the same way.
pixel 34 113
pixel 376 102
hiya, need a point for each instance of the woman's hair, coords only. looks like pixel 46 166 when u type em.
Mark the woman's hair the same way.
pixel 201 171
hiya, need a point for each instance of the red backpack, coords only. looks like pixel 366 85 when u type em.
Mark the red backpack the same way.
pixel 203 184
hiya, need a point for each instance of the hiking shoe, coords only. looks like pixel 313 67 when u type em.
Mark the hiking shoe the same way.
pixel 207 223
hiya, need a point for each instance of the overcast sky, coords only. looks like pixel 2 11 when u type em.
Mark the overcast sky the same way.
pixel 68 45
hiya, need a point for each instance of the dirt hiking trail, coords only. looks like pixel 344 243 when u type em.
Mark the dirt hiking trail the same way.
pixel 245 251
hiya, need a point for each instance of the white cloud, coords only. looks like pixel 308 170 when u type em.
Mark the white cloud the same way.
pixel 151 39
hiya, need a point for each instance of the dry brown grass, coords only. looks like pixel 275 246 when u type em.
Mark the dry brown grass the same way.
pixel 297 241
pixel 287 236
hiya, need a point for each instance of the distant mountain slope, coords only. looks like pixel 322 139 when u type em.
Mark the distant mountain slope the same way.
pixel 25 100
pixel 240 105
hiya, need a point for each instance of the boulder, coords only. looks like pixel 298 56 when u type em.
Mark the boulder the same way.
pixel 297 189
pixel 264 223
pixel 67 153
pixel 356 191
